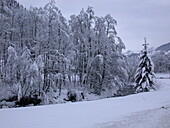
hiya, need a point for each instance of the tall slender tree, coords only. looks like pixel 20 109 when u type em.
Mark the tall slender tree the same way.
pixel 145 72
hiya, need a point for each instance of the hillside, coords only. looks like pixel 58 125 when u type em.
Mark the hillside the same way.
pixel 163 48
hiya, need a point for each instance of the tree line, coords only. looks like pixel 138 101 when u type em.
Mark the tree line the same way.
pixel 42 53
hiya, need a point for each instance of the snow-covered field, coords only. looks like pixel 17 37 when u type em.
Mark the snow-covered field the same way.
pixel 154 118
pixel 144 110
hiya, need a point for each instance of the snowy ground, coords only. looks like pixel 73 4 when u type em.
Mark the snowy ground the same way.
pixel 154 118
pixel 163 76
pixel 144 110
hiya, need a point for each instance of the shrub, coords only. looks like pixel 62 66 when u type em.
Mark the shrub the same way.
pixel 74 96
pixel 127 90
pixel 24 101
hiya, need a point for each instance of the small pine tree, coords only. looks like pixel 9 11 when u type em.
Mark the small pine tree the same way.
pixel 144 74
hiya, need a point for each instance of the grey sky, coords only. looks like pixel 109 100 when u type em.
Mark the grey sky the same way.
pixel 136 18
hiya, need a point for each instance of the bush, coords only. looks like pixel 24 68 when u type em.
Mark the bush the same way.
pixel 74 96
pixel 24 101
pixel 11 99
pixel 127 90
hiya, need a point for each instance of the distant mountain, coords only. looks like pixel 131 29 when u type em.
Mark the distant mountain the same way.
pixel 132 54
pixel 163 48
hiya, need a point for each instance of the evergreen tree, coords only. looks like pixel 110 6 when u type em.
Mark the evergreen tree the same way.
pixel 144 75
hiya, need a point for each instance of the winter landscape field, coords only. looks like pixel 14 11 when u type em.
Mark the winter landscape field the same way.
pixel 88 64
pixel 149 110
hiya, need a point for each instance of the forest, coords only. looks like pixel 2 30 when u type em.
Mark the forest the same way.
pixel 43 55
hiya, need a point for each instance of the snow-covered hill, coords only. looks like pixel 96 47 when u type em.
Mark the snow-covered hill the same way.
pixel 164 47
pixel 120 112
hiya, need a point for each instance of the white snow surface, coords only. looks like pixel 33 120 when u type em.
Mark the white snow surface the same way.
pixel 144 110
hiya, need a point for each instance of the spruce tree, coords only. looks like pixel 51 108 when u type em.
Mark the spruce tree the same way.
pixel 144 74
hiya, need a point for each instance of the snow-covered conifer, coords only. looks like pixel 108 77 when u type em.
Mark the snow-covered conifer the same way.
pixel 145 72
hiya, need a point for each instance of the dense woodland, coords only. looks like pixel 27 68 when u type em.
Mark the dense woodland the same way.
pixel 161 61
pixel 43 54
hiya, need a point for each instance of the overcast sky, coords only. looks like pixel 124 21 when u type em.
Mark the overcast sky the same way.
pixel 136 18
